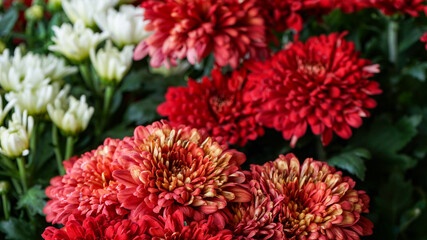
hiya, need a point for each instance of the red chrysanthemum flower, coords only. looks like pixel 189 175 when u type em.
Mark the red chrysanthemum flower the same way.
pixel 322 83
pixel 215 105
pixel 390 7
pixel 350 6
pixel 95 228
pixel 424 39
pixel 87 188
pixel 193 29
pixel 174 227
pixel 312 201
pixel 178 169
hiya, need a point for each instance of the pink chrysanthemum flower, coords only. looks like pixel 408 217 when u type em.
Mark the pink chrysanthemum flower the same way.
pixel 215 105
pixel 174 227
pixel 321 83
pixel 96 228
pixel 193 29
pixel 178 169
pixel 87 188
pixel 312 201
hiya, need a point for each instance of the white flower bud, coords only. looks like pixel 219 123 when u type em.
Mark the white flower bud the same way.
pixel 85 10
pixel 111 64
pixel 125 27
pixel 15 140
pixel 75 42
pixel 35 100
pixel 70 115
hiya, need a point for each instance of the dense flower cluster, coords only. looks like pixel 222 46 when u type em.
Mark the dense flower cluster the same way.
pixel 321 83
pixel 215 105
pixel 193 29
pixel 411 7
pixel 309 201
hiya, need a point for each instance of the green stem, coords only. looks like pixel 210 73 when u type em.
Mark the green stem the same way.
pixel 86 75
pixel 392 31
pixel 57 150
pixel 321 153
pixel 69 149
pixel 108 97
pixel 33 143
pixel 29 30
pixel 22 173
pixel 5 206
pixel 16 186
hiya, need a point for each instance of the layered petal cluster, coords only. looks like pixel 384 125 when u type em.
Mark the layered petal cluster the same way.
pixel 174 227
pixel 322 83
pixel 88 188
pixel 171 169
pixel 216 105
pixel 308 201
pixel 96 228
pixel 193 29
pixel 411 7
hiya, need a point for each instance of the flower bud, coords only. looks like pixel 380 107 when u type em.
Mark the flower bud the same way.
pixel 15 140
pixel 4 187
pixel 34 13
pixel 111 64
pixel 2 45
pixel 54 5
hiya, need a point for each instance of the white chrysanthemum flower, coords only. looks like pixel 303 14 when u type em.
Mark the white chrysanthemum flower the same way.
pixel 75 42
pixel 125 27
pixel 4 111
pixel 15 140
pixel 72 116
pixel 35 100
pixel 55 68
pixel 112 64
pixel 85 10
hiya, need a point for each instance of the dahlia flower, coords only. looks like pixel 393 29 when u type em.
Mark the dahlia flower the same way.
pixel 216 105
pixel 174 227
pixel 322 83
pixel 411 7
pixel 312 201
pixel 95 228
pixel 192 29
pixel 169 169
pixel 87 189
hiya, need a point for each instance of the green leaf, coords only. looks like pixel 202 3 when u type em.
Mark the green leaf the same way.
pixel 34 199
pixel 7 21
pixel 412 214
pixel 352 161
pixel 417 71
pixel 17 229
pixel 144 111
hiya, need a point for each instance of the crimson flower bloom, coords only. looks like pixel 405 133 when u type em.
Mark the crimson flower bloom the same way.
pixel 174 227
pixel 87 188
pixel 424 39
pixel 178 169
pixel 215 105
pixel 95 228
pixel 312 201
pixel 411 7
pixel 193 29
pixel 322 83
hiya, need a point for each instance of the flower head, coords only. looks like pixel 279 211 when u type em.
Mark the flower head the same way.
pixel 125 27
pixel 178 169
pixel 174 227
pixel 322 83
pixel 87 189
pixel 411 7
pixel 15 139
pixel 69 114
pixel 75 42
pixel 85 10
pixel 192 29
pixel 312 201
pixel 110 63
pixel 216 105
pixel 100 227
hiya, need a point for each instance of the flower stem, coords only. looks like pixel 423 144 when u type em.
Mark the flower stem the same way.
pixel 5 206
pixel 85 72
pixel 392 31
pixel 69 149
pixel 108 97
pixel 33 143
pixel 22 173
pixel 57 150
